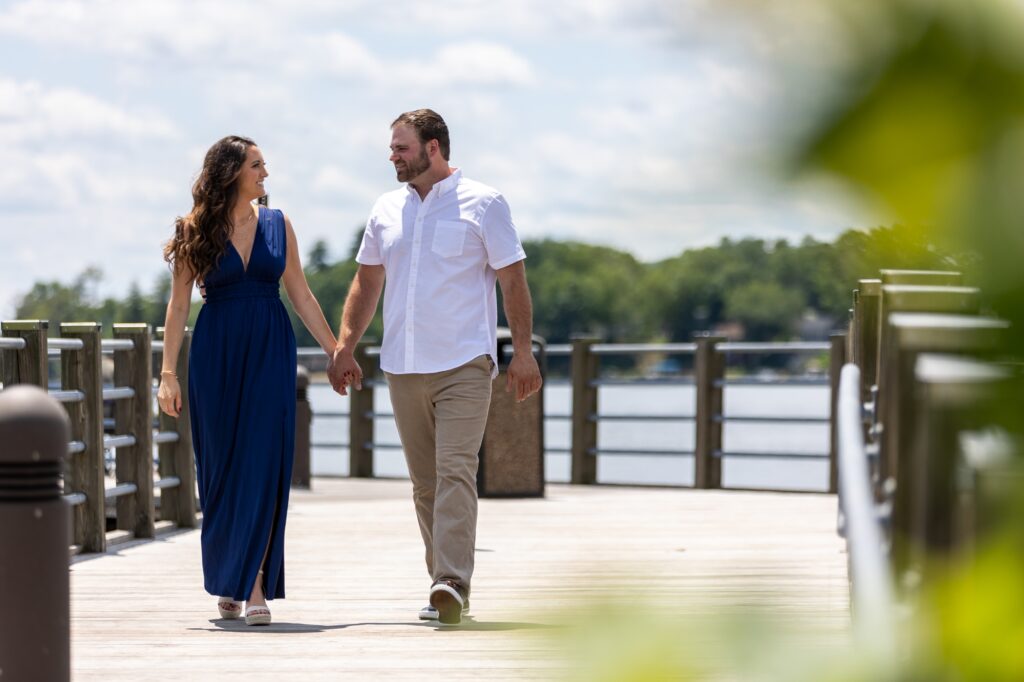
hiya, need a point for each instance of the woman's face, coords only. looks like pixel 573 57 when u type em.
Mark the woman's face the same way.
pixel 253 173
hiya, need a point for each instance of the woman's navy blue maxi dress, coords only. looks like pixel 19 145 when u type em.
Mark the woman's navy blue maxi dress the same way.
pixel 241 386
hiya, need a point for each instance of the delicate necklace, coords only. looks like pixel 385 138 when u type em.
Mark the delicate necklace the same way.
pixel 244 222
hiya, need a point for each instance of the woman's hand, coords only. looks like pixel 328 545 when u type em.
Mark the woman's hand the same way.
pixel 168 396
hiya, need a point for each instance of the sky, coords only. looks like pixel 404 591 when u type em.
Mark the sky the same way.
pixel 646 125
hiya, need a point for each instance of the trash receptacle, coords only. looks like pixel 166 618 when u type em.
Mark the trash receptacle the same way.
pixel 512 452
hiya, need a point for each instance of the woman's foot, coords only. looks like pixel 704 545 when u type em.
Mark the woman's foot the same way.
pixel 256 610
pixel 229 608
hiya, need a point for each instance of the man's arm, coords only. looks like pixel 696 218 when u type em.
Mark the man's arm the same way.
pixel 360 305
pixel 523 373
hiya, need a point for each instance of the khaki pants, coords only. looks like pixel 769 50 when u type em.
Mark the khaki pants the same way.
pixel 441 419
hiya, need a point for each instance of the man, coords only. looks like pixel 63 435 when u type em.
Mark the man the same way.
pixel 436 247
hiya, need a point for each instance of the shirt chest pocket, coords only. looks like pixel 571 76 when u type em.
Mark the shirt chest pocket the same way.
pixel 449 238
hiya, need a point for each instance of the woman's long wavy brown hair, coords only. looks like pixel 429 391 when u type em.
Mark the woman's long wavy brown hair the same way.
pixel 201 237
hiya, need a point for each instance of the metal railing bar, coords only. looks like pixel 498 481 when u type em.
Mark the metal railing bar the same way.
pixel 329 445
pixel 771 347
pixel 808 456
pixel 639 451
pixel 118 441
pixel 167 482
pixel 330 414
pixel 157 346
pixel 869 573
pixel 165 437
pixel 11 343
pixel 643 381
pixel 75 447
pixel 383 446
pixel 74 499
pixel 642 348
pixel 724 419
pixel 641 417
pixel 110 345
pixel 558 450
pixel 118 393
pixel 68 396
pixel 120 490
pixel 64 344
pixel 790 381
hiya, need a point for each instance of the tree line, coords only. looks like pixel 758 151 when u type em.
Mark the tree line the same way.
pixel 756 289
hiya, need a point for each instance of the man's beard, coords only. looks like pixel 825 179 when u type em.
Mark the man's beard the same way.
pixel 414 168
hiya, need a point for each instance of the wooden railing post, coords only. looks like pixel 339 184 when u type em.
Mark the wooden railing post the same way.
pixel 909 336
pixel 134 368
pixel 178 504
pixel 303 419
pixel 80 370
pixel 710 373
pixel 28 365
pixel 584 407
pixel 837 358
pixel 865 322
pixel 360 417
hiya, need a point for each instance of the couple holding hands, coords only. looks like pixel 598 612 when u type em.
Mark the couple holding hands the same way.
pixel 435 248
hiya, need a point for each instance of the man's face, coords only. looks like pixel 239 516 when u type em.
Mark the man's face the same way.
pixel 408 154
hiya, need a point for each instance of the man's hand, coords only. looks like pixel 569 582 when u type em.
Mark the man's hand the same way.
pixel 343 371
pixel 523 376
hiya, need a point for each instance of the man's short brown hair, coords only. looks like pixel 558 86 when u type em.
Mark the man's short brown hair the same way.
pixel 428 125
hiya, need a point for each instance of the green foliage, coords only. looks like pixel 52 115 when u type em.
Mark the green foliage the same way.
pixel 930 122
pixel 767 308
pixel 580 288
pixel 79 302
pixel 583 288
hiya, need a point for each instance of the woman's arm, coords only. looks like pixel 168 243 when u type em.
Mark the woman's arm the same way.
pixel 303 301
pixel 169 393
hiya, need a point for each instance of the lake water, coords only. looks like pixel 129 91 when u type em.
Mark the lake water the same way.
pixel 742 400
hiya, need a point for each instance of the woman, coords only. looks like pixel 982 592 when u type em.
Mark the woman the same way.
pixel 241 371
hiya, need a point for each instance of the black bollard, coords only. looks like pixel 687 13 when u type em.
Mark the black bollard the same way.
pixel 34 538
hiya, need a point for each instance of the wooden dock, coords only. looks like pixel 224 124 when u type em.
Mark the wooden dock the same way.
pixel 356 581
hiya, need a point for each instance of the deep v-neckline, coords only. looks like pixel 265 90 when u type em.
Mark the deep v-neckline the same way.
pixel 252 249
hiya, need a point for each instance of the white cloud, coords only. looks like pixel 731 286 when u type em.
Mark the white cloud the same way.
pixel 579 111
pixel 29 112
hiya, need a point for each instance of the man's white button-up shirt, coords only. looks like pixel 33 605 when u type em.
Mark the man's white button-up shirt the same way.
pixel 440 256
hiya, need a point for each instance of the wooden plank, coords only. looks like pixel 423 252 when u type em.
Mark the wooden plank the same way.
pixel 356 580
pixel 134 369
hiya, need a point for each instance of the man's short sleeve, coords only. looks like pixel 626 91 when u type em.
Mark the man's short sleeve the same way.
pixel 369 249
pixel 499 234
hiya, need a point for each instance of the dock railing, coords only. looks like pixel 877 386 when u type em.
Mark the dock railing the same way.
pixel 115 425
pixel 709 355
pixel 929 371
pixel 26 351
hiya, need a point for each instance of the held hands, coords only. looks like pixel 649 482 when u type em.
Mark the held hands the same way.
pixel 523 376
pixel 168 396
pixel 343 371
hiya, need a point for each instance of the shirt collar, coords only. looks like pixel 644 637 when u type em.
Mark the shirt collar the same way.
pixel 441 188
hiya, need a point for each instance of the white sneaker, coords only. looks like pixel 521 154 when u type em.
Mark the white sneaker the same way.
pixel 428 612
pixel 446 597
